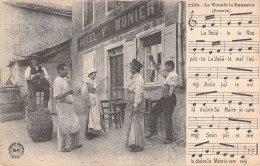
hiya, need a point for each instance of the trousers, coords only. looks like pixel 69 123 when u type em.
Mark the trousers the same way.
pixel 167 107
pixel 42 87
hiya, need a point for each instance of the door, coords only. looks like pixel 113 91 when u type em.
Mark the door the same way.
pixel 117 77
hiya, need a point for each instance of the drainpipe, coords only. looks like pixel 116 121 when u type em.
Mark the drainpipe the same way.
pixel 180 58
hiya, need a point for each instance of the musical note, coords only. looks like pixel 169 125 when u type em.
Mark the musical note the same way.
pixel 249 131
pixel 232 149
pixel 216 43
pixel 211 125
pixel 242 94
pixel 215 97
pixel 192 23
pixel 199 144
pixel 246 19
pixel 239 120
pixel 209 17
pixel 198 126
pixel 202 48
pixel 241 40
pixel 226 123
pixel 226 145
pixel 231 47
pixel 240 14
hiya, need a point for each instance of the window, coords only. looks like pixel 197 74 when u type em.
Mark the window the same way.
pixel 88 12
pixel 112 4
pixel 152 46
pixel 151 75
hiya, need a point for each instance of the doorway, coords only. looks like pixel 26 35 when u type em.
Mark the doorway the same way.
pixel 116 73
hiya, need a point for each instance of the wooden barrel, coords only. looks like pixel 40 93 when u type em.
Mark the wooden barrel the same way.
pixel 39 125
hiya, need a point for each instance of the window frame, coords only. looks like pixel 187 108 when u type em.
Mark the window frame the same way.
pixel 111 11
pixel 83 14
pixel 151 31
pixel 158 78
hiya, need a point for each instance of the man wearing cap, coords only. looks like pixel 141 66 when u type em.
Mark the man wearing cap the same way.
pixel 167 102
pixel 37 80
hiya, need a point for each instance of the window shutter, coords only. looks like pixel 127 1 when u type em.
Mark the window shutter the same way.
pixel 130 50
pixel 169 44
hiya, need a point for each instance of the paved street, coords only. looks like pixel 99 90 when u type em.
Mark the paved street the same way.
pixel 106 149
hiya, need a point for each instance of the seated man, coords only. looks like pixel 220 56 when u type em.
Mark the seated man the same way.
pixel 37 80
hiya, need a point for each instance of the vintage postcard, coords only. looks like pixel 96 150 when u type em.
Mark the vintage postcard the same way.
pixel 108 82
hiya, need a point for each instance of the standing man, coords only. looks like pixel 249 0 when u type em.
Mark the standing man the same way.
pixel 68 123
pixel 167 102
pixel 37 80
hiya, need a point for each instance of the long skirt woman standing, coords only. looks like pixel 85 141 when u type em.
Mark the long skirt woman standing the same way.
pixel 94 121
pixel 133 131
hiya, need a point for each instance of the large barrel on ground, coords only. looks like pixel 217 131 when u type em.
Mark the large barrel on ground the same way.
pixel 39 125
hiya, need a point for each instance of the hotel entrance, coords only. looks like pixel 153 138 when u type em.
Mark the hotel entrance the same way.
pixel 116 73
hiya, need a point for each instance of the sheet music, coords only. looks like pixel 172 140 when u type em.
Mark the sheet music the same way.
pixel 222 83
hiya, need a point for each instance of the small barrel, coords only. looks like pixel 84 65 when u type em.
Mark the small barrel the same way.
pixel 39 125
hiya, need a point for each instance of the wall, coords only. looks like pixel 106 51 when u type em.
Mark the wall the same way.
pixel 170 17
pixel 25 31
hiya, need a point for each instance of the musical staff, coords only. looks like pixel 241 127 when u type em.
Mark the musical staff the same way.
pixel 222 123
pixel 249 73
pixel 246 19
pixel 233 46
pixel 214 97
pixel 225 149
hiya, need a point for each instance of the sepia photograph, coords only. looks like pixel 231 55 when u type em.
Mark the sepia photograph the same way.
pixel 95 83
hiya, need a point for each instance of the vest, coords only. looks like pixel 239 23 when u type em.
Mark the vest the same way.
pixel 34 71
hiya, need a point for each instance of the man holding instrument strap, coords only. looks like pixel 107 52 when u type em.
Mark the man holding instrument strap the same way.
pixel 167 102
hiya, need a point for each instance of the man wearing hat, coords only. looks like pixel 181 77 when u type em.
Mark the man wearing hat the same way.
pixel 37 81
pixel 133 131
pixel 167 102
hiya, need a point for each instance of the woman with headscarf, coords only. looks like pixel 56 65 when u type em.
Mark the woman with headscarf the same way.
pixel 133 131
pixel 94 119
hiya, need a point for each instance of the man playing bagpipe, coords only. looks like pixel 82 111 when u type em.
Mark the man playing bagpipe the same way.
pixel 37 81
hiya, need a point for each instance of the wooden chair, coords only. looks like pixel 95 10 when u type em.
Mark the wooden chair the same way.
pixel 112 115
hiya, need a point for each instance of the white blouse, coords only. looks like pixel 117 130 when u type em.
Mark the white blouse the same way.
pixel 137 86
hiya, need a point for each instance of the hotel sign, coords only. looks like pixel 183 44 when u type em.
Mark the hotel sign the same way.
pixel 128 19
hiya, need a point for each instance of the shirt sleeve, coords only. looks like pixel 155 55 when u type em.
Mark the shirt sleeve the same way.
pixel 46 75
pixel 27 73
pixel 57 89
pixel 173 80
pixel 163 73
pixel 139 85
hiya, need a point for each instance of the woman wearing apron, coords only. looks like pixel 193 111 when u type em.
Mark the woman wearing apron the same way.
pixel 93 117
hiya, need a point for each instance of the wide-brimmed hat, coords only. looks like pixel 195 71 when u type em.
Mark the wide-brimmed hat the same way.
pixel 136 64
pixel 91 71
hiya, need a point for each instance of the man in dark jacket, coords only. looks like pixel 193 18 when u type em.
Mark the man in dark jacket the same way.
pixel 37 81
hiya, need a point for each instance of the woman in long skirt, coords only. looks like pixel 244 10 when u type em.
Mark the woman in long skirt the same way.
pixel 93 117
pixel 133 131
